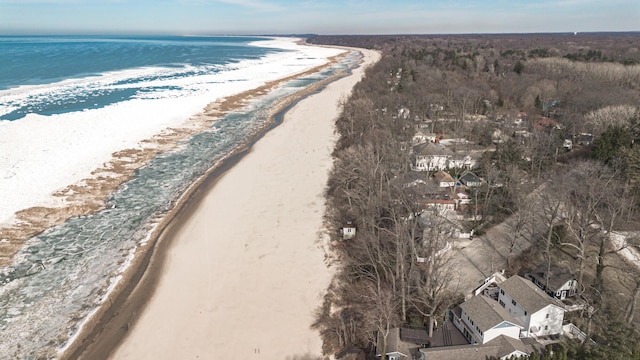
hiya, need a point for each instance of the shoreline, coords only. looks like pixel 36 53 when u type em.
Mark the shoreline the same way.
pixel 107 327
pixel 89 195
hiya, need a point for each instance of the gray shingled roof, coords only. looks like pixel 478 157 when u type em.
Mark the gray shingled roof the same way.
pixel 486 313
pixel 498 347
pixel 527 294
pixel 468 176
pixel 557 277
pixel 467 352
pixel 507 345
pixel 396 344
pixel 431 149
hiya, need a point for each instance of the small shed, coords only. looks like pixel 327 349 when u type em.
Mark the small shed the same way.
pixel 348 230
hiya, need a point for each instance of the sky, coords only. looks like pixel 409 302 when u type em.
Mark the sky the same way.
pixel 252 17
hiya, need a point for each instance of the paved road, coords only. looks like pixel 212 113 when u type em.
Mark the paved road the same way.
pixel 477 259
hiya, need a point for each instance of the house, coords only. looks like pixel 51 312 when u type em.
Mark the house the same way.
pixel 481 319
pixel 348 231
pixel 439 204
pixel 557 282
pixel 503 347
pixel 430 157
pixel 421 136
pixel 461 162
pixel 522 135
pixel 435 198
pixel 444 180
pixel 470 179
pixel 462 198
pixel 584 139
pixel 539 314
pixel 398 346
pixel 567 144
pixel 544 123
pixel 416 179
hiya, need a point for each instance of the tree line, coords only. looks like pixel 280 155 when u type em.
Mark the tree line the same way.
pixel 567 204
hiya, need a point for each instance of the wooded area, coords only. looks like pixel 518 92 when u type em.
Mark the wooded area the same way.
pixel 555 118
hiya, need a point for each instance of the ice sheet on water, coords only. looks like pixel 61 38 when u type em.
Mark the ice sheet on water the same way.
pixel 65 273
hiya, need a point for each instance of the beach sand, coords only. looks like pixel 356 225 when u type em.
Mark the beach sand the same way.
pixel 245 267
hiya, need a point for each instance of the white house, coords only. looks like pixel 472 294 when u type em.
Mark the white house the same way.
pixel 441 205
pixel 421 136
pixel 481 319
pixel 430 157
pixel 539 314
pixel 430 162
pixel 557 282
pixel 461 162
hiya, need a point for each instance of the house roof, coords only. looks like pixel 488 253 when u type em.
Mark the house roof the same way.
pixel 468 177
pixel 498 347
pixel 416 336
pixel 468 352
pixel 424 132
pixel 349 224
pixel 508 345
pixel 414 177
pixel 442 176
pixel 486 313
pixel 431 149
pixel 527 294
pixel 545 122
pixel 558 276
pixel 395 343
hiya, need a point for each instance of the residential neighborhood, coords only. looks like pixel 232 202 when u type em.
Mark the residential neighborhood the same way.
pixel 495 199
pixel 516 319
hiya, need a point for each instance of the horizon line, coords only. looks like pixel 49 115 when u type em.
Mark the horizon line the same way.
pixel 136 33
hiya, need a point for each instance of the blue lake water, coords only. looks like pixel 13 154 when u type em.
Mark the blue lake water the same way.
pixel 51 60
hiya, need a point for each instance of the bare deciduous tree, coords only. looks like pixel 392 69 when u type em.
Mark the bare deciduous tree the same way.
pixel 434 283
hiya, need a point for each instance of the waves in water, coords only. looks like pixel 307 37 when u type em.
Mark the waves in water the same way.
pixel 53 75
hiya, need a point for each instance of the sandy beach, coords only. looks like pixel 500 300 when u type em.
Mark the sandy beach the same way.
pixel 244 269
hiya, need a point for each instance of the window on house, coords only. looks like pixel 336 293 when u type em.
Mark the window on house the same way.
pixel 513 302
pixel 501 303
pixel 546 327
pixel 501 291
pixel 547 316
pixel 525 313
